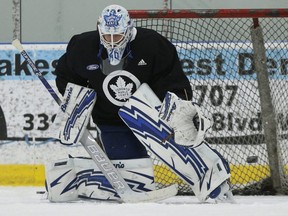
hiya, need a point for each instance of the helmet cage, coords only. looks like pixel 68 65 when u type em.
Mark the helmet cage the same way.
pixel 115 21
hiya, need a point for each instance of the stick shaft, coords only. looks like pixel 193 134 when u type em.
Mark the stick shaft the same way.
pixel 36 71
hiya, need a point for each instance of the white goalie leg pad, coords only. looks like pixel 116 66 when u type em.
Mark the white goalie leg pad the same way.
pixel 218 172
pixel 185 118
pixel 74 114
pixel 87 181
pixel 138 173
pixel 58 176
pixel 200 167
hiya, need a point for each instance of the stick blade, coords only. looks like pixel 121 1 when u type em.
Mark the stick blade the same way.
pixel 17 44
pixel 151 196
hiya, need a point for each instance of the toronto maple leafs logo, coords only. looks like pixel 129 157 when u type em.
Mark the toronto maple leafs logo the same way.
pixel 112 20
pixel 122 91
pixel 119 85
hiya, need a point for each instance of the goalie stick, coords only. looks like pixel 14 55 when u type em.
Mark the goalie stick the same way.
pixel 98 155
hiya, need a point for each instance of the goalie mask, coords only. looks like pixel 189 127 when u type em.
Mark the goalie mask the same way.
pixel 115 30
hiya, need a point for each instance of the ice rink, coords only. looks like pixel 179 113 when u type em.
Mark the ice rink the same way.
pixel 25 201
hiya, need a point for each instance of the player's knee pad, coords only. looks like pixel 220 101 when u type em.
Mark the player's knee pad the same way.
pixel 58 176
pixel 218 171
pixel 79 178
pixel 224 161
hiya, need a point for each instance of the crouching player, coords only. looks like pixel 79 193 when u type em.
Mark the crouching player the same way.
pixel 115 61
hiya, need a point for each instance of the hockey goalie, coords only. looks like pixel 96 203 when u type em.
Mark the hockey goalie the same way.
pixel 130 81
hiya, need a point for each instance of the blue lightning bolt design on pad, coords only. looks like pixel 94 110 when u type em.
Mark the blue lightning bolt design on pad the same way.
pixel 57 180
pixel 84 104
pixel 146 128
pixel 91 177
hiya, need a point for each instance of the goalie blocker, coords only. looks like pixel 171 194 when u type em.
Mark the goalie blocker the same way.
pixel 73 114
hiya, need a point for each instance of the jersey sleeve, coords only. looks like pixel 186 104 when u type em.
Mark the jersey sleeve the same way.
pixel 64 69
pixel 168 74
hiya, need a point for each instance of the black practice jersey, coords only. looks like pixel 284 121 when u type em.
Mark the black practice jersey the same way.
pixel 150 58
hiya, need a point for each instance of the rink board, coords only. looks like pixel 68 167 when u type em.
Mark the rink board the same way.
pixel 34 175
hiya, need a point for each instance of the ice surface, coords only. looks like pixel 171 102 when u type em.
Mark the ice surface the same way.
pixel 25 201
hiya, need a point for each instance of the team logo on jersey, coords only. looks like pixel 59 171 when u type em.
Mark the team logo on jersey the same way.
pixel 119 85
